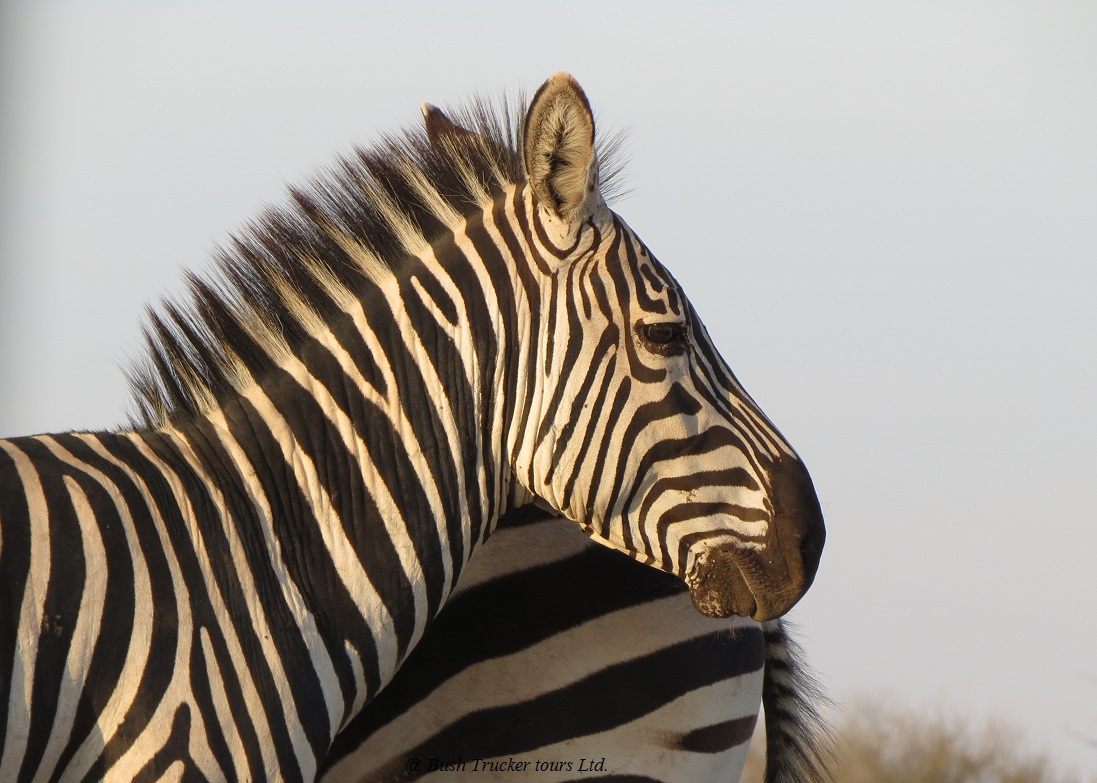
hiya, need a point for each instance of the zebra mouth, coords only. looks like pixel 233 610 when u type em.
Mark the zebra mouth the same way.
pixel 729 580
pixel 719 588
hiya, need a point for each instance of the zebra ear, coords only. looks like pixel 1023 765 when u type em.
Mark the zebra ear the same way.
pixel 441 128
pixel 558 149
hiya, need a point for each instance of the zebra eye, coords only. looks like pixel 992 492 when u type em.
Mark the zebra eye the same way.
pixel 663 337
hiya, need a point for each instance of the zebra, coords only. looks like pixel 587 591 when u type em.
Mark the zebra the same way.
pixel 538 655
pixel 437 330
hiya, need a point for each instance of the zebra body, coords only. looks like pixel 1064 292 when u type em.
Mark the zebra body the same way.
pixel 537 657
pixel 425 339
pixel 147 635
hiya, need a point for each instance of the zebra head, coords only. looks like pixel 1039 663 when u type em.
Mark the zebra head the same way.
pixel 638 429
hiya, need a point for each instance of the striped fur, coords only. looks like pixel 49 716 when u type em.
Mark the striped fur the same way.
pixel 556 650
pixel 557 653
pixel 423 340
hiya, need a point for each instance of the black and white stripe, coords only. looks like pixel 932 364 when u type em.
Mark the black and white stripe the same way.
pixel 556 653
pixel 554 650
pixel 425 339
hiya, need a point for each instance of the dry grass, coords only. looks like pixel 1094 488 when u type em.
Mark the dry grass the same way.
pixel 880 743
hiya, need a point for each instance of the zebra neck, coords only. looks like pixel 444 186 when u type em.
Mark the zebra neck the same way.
pixel 357 478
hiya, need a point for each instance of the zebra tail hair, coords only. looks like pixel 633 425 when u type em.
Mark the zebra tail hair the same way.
pixel 799 744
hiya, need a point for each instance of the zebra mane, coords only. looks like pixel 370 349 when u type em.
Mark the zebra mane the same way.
pixel 355 223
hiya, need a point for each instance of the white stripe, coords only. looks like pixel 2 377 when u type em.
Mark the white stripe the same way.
pixel 229 731
pixel 353 576
pixel 391 406
pixel 525 386
pixel 260 626
pixel 500 428
pixel 464 345
pixel 393 410
pixel 199 750
pixel 173 773
pixel 140 641
pixel 86 632
pixel 30 616
pixel 355 659
pixel 392 515
pixel 159 727
pixel 523 676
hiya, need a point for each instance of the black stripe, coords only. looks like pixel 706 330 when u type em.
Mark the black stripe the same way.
pixel 60 612
pixel 580 467
pixel 108 656
pixel 613 417
pixel 348 334
pixel 508 614
pixel 171 751
pixel 212 520
pixel 599 702
pixel 600 357
pixel 515 279
pixel 717 737
pixel 623 276
pixel 14 570
pixel 297 531
pixel 553 307
pixel 307 703
pixel 389 457
pixel 342 479
pixel 482 324
pixel 675 404
pixel 203 699
pixel 552 420
pixel 292 649
pixel 653 280
pixel 163 611
pixel 450 365
pixel 433 289
pixel 640 272
pixel 730 477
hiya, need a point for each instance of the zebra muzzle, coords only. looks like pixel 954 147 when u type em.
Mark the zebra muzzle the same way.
pixel 719 588
pixel 764 582
pixel 730 580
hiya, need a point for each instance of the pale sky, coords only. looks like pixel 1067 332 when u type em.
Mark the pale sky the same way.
pixel 885 212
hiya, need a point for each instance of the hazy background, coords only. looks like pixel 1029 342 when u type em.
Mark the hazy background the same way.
pixel 886 212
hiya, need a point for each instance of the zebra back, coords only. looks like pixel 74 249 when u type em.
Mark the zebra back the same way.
pixel 558 654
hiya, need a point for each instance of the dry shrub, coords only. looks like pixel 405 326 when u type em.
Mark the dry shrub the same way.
pixel 878 742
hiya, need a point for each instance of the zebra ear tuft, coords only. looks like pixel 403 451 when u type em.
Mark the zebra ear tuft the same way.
pixel 558 149
pixel 440 127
